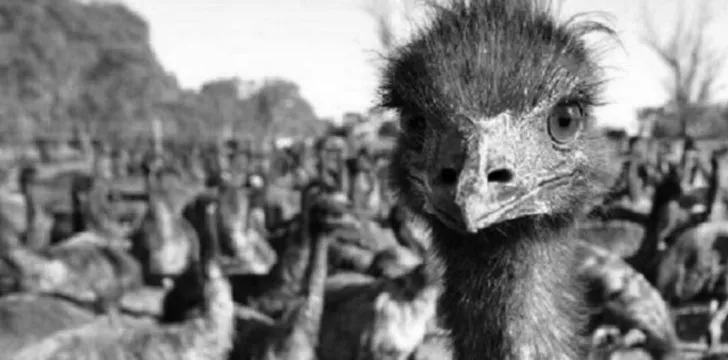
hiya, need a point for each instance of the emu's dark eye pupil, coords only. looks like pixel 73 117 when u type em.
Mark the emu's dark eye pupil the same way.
pixel 564 122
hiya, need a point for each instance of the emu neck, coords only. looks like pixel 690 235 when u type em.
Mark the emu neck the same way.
pixel 344 177
pixel 34 230
pixel 316 283
pixel 644 259
pixel 290 271
pixel 510 291
pixel 158 209
pixel 298 253
pixel 716 206
pixel 634 182
pixel 306 320
pixel 77 216
pixel 217 328
pixel 97 213
pixel 31 204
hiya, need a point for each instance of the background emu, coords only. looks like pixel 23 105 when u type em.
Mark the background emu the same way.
pixel 495 99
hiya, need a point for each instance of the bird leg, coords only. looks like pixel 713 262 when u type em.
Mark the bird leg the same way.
pixel 715 328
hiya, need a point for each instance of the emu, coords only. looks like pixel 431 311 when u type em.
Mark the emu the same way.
pixel 497 154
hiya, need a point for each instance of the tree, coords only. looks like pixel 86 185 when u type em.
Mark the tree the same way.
pixel 66 64
pixel 384 13
pixel 697 67
pixel 224 98
pixel 381 12
pixel 279 108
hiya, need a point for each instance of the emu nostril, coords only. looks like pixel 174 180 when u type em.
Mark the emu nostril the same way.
pixel 448 176
pixel 500 175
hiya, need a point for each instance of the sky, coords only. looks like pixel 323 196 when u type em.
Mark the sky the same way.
pixel 330 47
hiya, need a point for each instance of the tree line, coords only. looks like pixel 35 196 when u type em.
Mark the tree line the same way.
pixel 68 65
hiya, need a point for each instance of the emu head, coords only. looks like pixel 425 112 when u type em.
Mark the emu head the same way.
pixel 251 249
pixel 326 208
pixel 496 105
pixel 331 152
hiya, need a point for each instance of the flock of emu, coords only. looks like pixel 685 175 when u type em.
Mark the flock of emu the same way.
pixel 492 229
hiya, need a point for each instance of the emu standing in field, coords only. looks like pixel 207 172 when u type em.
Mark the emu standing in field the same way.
pixel 496 153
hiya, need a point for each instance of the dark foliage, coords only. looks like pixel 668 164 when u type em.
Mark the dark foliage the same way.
pixel 65 63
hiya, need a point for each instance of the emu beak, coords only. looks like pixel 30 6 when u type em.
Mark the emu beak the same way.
pixel 474 198
pixel 474 212
pixel 487 190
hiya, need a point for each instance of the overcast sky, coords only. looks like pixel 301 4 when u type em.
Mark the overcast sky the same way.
pixel 329 47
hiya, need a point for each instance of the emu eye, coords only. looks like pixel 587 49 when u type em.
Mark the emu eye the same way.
pixel 413 128
pixel 565 122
